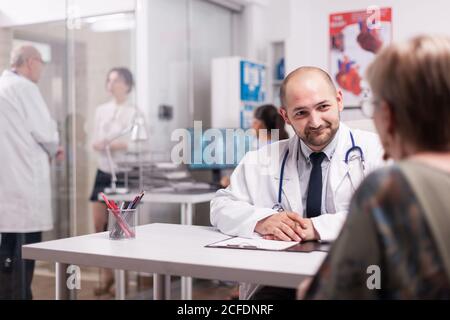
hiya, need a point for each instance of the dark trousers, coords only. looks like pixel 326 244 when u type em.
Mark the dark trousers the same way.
pixel 16 274
pixel 274 293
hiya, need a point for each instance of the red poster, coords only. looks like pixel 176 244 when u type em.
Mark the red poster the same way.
pixel 355 38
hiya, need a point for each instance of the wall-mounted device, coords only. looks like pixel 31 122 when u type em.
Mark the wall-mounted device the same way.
pixel 165 112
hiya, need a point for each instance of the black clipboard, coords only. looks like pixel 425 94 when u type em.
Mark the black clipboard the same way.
pixel 310 246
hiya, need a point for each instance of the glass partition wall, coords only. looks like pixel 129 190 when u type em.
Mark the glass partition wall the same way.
pixel 78 53
pixel 95 46
pixel 50 40
pixel 168 46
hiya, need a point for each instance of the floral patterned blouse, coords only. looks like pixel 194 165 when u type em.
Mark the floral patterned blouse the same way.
pixel 387 236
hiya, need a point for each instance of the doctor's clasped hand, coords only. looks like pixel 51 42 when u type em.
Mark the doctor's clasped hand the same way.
pixel 287 226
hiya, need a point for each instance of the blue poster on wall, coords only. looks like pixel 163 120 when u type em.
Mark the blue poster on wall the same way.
pixel 247 111
pixel 252 81
pixel 253 94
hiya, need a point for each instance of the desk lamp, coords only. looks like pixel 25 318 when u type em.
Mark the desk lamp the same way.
pixel 138 134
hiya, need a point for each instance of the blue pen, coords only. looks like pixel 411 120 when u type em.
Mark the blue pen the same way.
pixel 131 204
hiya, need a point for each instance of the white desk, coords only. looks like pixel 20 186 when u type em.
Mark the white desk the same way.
pixel 170 249
pixel 187 202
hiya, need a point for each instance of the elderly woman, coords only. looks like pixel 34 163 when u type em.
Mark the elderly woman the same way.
pixel 396 241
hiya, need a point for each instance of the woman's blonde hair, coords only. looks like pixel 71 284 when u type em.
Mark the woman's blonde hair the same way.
pixel 413 78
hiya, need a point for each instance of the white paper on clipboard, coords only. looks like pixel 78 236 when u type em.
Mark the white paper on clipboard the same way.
pixel 255 244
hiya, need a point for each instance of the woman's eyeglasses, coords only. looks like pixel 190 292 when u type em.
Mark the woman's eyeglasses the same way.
pixel 368 103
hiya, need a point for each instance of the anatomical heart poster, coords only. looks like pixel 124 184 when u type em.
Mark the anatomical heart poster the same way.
pixel 355 38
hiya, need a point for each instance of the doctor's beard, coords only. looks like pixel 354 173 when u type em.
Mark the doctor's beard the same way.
pixel 319 137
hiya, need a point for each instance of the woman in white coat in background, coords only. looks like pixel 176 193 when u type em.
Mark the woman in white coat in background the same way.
pixel 307 198
pixel 111 119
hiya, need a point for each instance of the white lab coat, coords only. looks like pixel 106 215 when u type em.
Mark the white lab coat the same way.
pixel 28 138
pixel 254 186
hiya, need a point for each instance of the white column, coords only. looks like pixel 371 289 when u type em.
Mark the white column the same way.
pixel 142 56
pixel 5 47
pixel 186 282
pixel 120 284
pixel 61 290
pixel 253 28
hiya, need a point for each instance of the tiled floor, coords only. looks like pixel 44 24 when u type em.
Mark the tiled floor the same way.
pixel 44 289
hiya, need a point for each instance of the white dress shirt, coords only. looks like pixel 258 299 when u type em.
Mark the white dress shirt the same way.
pixel 305 166
pixel 111 120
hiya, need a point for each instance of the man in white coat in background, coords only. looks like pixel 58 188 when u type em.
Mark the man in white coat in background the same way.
pixel 307 198
pixel 28 140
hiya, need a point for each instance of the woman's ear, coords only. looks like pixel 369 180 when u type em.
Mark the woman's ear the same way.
pixel 385 122
pixel 390 118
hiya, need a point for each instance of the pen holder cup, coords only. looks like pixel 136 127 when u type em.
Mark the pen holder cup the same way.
pixel 122 224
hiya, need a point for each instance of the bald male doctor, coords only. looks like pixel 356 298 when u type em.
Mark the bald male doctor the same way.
pixel 298 189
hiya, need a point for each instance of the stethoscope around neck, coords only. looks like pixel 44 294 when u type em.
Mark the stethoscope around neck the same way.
pixel 278 207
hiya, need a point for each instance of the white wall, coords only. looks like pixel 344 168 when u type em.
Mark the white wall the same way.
pixel 260 22
pixel 253 35
pixel 183 37
pixel 308 41
pixel 167 69
pixel 5 47
pixel 207 19
pixel 21 12
pixel 277 20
